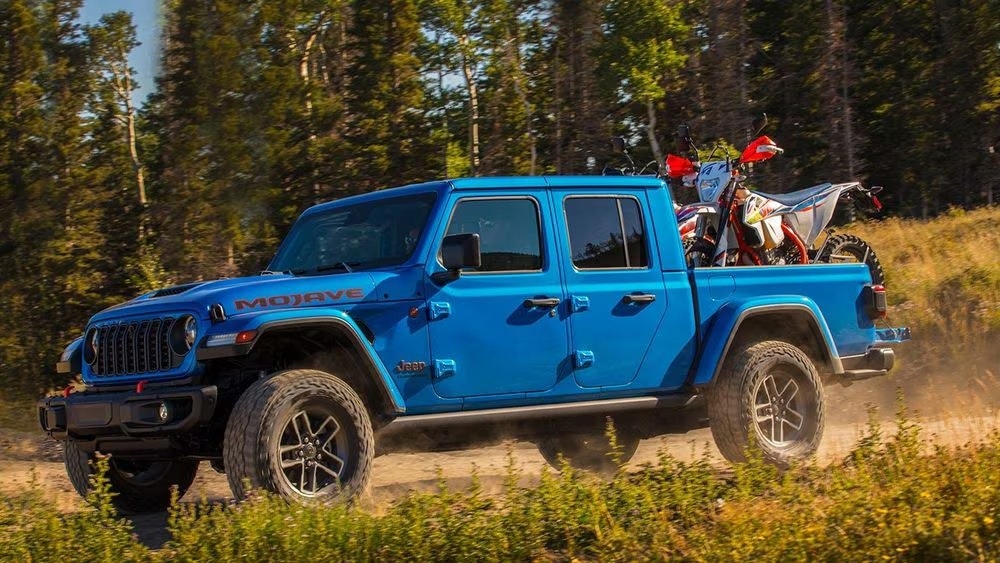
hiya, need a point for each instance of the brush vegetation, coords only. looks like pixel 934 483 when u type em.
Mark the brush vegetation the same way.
pixel 943 280
pixel 891 499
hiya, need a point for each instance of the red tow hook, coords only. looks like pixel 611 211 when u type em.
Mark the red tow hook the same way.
pixel 140 387
pixel 67 391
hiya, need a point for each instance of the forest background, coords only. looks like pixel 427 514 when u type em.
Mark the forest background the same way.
pixel 262 108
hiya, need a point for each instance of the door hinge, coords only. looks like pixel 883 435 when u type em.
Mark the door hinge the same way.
pixel 583 358
pixel 444 368
pixel 438 309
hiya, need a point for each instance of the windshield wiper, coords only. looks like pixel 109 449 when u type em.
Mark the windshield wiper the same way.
pixel 347 266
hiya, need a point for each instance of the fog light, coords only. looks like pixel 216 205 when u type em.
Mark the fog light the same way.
pixel 164 412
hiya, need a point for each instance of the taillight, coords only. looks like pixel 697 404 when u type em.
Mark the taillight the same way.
pixel 874 299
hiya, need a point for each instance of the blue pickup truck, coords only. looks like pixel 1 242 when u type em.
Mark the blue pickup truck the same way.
pixel 541 305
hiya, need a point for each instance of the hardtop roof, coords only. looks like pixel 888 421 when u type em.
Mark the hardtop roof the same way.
pixel 499 182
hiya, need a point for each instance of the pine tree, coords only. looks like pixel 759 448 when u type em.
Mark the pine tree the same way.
pixel 582 125
pixel 510 142
pixel 388 125
pixel 211 139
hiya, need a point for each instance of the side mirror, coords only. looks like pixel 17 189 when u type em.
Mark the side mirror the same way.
pixel 683 138
pixel 759 123
pixel 461 251
pixel 618 144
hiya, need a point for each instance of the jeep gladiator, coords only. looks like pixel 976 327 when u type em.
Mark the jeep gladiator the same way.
pixel 542 305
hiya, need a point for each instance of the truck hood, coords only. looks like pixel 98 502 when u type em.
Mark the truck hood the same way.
pixel 253 294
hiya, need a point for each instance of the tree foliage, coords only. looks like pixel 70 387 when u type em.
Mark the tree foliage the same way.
pixel 263 108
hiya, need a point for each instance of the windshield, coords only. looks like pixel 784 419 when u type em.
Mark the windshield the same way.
pixel 366 235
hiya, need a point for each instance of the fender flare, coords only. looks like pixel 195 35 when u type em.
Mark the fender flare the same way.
pixel 336 319
pixel 731 316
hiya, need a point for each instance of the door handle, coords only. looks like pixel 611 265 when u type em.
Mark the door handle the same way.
pixel 541 302
pixel 638 298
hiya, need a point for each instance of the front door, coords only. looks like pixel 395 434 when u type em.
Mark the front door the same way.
pixel 500 329
pixel 616 291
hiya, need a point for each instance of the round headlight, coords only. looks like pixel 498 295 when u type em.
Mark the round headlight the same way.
pixel 183 334
pixel 190 332
pixel 90 344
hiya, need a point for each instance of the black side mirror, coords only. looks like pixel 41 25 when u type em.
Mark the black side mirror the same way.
pixel 618 144
pixel 461 251
pixel 683 138
pixel 759 123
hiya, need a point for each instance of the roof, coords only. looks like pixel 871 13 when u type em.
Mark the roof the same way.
pixel 496 182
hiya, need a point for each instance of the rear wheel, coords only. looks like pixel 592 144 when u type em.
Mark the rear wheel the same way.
pixel 849 248
pixel 773 390
pixel 698 252
pixel 139 486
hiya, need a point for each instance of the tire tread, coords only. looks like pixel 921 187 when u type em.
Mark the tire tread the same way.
pixel 729 418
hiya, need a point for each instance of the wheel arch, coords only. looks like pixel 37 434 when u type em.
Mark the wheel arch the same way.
pixel 797 323
pixel 323 342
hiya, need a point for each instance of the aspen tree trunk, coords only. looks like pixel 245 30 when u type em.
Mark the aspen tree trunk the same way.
pixel 305 76
pixel 651 132
pixel 515 67
pixel 473 92
pixel 123 89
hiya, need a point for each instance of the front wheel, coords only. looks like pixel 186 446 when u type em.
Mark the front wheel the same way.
pixel 773 390
pixel 139 486
pixel 849 248
pixel 303 434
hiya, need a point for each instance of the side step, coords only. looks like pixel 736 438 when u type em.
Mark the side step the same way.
pixel 534 412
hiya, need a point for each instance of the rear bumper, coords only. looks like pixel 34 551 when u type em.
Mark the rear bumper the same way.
pixel 876 362
pixel 152 414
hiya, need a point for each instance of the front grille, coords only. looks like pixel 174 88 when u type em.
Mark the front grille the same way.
pixel 133 348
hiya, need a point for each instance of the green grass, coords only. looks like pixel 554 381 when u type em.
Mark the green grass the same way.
pixel 891 499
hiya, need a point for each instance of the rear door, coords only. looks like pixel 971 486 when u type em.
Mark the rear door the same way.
pixel 616 291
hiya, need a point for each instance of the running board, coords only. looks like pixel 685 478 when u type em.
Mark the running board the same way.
pixel 534 412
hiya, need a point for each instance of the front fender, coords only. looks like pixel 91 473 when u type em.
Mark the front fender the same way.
pixel 335 318
pixel 726 323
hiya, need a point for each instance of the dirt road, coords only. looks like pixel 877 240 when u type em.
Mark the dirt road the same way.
pixel 27 459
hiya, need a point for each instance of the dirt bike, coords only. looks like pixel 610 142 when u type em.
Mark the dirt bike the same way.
pixel 760 228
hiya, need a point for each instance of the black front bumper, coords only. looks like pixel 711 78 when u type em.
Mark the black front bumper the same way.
pixel 91 415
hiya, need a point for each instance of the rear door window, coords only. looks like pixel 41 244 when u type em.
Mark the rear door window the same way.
pixel 606 233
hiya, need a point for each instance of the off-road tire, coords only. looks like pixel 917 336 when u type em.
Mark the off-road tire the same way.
pixel 697 252
pixel 262 422
pixel 853 246
pixel 736 394
pixel 138 486
pixel 589 452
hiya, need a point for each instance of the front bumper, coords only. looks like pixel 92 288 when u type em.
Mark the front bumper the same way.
pixel 93 414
